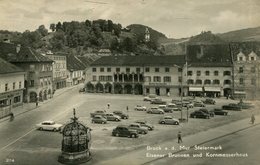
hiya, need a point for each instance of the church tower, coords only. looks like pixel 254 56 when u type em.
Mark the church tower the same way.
pixel 147 35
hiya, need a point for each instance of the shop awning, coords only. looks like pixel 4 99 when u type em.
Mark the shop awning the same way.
pixel 240 92
pixel 195 89
pixel 212 89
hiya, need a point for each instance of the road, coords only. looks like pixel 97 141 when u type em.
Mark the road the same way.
pixel 245 142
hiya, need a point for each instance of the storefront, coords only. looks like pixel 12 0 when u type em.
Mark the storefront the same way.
pixel 195 91
pixel 212 91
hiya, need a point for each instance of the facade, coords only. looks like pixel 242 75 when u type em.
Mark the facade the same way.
pixel 75 70
pixel 135 75
pixel 11 87
pixel 59 70
pixel 209 71
pixel 38 79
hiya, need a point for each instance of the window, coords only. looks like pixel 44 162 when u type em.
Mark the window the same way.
pixel 108 69
pixel 207 73
pixel 167 79
pixel 179 79
pixel 241 69
pixel 109 78
pixel 179 69
pixel 6 87
pixel 227 73
pixel 94 69
pixel 17 99
pixel 117 69
pixel 227 82
pixel 198 81
pixel 13 85
pixel 147 69
pixel 241 81
pixel 102 78
pixel 32 83
pixel 216 82
pixel 190 81
pixel 189 73
pixel 101 69
pixel 253 81
pixel 167 69
pixel 157 79
pixel 138 69
pixel 252 58
pixel 207 82
pixel 157 69
pixel 240 58
pixel 216 73
pixel 127 70
pixel 198 73
pixel 20 85
pixel 252 69
pixel 94 78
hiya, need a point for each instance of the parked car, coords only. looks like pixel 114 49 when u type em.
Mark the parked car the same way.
pixel 187 104
pixel 209 101
pixel 150 97
pixel 232 106
pixel 144 123
pixel 99 112
pixel 124 131
pixel 112 117
pixel 138 128
pixel 174 107
pixel 140 108
pixel 199 104
pixel 199 114
pixel 82 90
pixel 99 119
pixel 49 125
pixel 169 120
pixel 158 101
pixel 155 111
pixel 121 114
pixel 211 113
pixel 220 112
pixel 244 105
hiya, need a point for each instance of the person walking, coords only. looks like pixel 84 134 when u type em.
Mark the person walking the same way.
pixel 253 119
pixel 127 109
pixel 179 137
pixel 11 116
pixel 108 105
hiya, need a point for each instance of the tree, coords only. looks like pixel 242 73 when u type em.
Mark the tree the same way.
pixel 128 44
pixel 52 27
pixel 88 23
pixel 42 30
pixel 110 25
pixel 58 26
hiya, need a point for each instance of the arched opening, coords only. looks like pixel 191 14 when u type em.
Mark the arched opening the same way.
pixel 90 87
pixel 40 96
pixel 128 89
pixel 99 88
pixel 33 97
pixel 198 81
pixel 227 91
pixel 118 89
pixel 45 95
pixel 108 88
pixel 138 89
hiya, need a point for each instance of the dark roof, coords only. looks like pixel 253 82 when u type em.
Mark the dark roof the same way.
pixel 74 63
pixel 209 55
pixel 26 54
pixel 6 67
pixel 85 60
pixel 140 60
pixel 245 47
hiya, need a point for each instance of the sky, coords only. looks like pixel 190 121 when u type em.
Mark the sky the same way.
pixel 174 18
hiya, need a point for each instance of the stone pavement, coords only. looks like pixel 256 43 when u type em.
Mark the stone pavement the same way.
pixel 138 157
pixel 26 107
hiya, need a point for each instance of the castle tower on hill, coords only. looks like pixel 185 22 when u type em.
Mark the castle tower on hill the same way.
pixel 147 35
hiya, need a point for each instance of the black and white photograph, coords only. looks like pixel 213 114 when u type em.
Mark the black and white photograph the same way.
pixel 129 82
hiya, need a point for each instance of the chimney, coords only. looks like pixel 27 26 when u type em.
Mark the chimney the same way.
pixel 18 48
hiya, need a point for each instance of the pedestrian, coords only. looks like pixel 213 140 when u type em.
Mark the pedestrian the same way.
pixel 108 105
pixel 11 116
pixel 127 109
pixel 253 119
pixel 179 137
pixel 36 103
pixel 168 94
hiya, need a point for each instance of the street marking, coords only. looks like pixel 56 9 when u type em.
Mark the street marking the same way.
pixel 17 139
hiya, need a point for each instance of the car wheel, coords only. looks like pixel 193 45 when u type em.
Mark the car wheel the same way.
pixel 117 119
pixel 143 132
pixel 117 135
pixel 125 117
pixel 54 129
pixel 102 122
pixel 176 123
pixel 41 128
pixel 133 136
pixel 162 122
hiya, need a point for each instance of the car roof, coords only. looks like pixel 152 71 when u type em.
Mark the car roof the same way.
pixel 48 121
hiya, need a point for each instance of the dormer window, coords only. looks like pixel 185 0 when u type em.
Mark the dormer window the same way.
pixel 240 59
pixel 252 58
pixel 241 56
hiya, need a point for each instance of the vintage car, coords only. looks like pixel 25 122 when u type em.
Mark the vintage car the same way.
pixel 220 112
pixel 140 129
pixel 209 101
pixel 155 110
pixel 169 120
pixel 99 119
pixel 150 97
pixel 124 131
pixel 144 123
pixel 49 125
pixel 121 114
pixel 199 114
pixel 140 108
pixel 158 101
pixel 232 106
